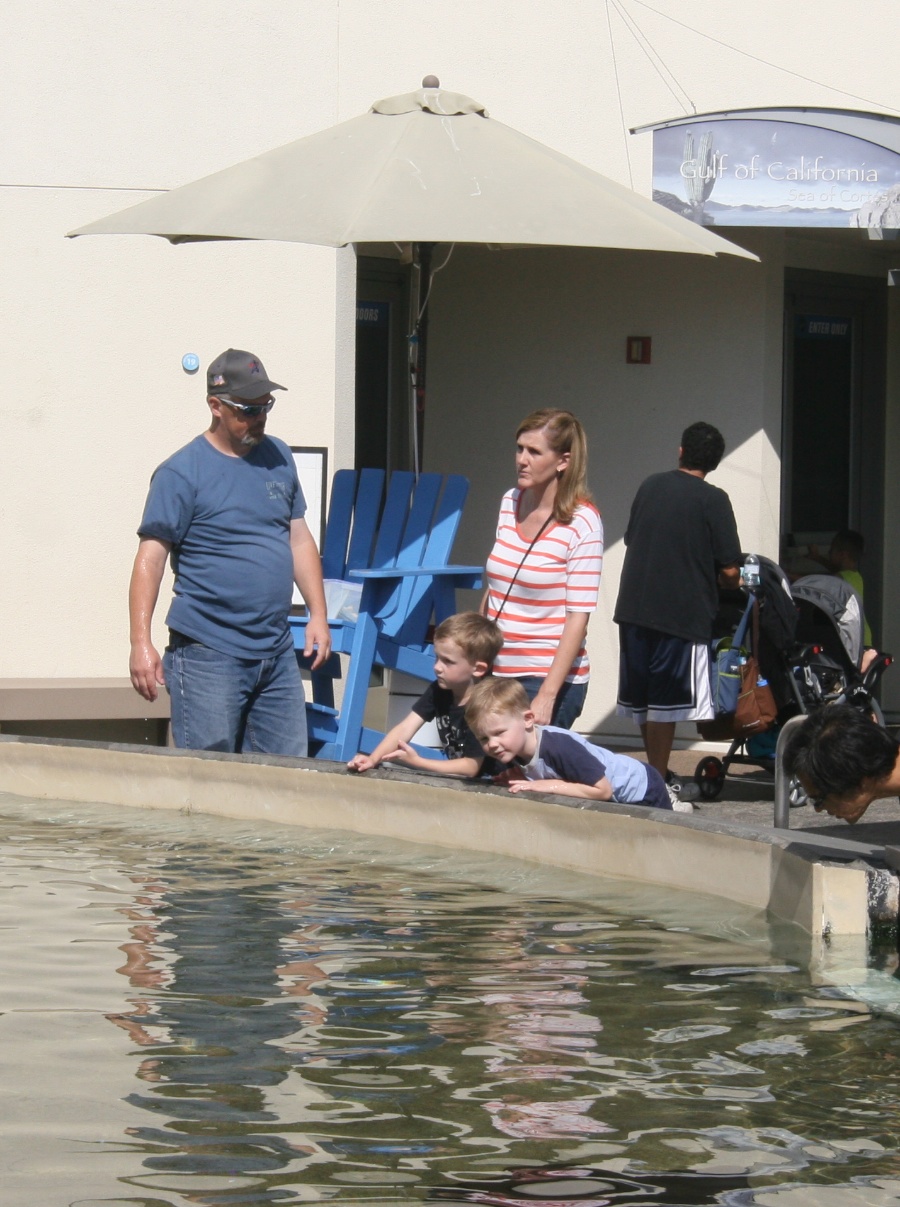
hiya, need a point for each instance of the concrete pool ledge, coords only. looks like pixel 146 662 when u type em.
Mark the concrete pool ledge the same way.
pixel 825 885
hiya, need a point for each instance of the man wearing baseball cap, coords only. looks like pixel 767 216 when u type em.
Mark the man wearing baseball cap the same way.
pixel 229 509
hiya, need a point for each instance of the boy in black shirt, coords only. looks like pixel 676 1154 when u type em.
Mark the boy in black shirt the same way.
pixel 465 647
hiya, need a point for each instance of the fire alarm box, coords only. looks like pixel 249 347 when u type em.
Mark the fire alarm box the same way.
pixel 637 350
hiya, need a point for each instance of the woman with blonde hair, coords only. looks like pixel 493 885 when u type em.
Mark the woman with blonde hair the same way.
pixel 543 572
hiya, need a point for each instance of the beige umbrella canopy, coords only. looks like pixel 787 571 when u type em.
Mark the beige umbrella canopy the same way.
pixel 430 166
pixel 425 168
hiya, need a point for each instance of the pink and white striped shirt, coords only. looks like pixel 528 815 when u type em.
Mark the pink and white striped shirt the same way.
pixel 561 574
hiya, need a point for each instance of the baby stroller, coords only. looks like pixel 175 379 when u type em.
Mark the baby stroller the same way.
pixel 830 624
pixel 776 642
pixel 810 650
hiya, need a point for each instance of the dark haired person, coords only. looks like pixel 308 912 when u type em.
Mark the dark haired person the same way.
pixel 844 761
pixel 681 545
pixel 843 558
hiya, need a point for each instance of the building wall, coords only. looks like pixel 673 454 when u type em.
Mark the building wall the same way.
pixel 108 102
pixel 512 331
pixel 112 102
pixel 548 328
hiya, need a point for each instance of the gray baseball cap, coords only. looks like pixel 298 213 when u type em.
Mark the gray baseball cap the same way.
pixel 240 374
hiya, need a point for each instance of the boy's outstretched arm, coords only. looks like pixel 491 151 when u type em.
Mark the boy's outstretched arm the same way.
pixel 602 790
pixel 468 767
pixel 391 743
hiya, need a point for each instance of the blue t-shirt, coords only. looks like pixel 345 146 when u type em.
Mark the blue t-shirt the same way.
pixel 228 520
pixel 563 755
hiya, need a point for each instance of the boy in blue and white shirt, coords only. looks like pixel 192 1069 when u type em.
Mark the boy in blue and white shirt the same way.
pixel 546 758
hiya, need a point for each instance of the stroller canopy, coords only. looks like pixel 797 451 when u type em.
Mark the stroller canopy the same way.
pixel 837 600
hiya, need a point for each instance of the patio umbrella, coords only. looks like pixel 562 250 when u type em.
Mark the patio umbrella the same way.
pixel 424 168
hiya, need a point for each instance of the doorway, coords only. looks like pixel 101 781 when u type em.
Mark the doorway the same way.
pixel 383 438
pixel 833 417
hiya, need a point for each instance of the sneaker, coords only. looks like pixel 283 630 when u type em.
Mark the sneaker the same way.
pixel 685 790
pixel 680 806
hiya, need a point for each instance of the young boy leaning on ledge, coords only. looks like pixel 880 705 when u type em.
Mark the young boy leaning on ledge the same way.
pixel 544 758
pixel 465 647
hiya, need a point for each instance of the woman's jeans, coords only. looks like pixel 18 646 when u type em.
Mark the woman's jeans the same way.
pixel 568 704
pixel 239 705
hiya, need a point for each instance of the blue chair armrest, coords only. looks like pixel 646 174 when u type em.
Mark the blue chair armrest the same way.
pixel 341 632
pixel 419 572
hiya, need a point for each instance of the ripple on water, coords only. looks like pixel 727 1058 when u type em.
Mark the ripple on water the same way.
pixel 196 1011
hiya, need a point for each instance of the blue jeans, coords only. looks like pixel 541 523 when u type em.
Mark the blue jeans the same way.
pixel 568 704
pixel 238 705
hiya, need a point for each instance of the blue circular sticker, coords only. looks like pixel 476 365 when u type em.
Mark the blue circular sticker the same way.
pixel 190 362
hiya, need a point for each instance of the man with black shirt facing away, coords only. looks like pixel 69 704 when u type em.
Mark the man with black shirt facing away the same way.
pixel 682 545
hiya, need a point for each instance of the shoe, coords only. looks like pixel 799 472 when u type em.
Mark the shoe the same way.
pixel 681 806
pixel 685 790
pixel 678 805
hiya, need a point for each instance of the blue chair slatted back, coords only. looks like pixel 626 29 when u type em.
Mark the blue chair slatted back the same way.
pixel 394 520
pixel 353 515
pixel 402 544
pixel 408 525
pixel 446 520
pixel 434 519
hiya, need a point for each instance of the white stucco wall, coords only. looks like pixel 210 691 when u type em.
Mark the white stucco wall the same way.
pixel 106 102
pixel 113 100
pixel 514 331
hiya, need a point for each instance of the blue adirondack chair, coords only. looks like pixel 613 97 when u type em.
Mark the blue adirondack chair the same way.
pixel 396 544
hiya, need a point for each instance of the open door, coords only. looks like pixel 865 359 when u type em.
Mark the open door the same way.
pixel 383 438
pixel 833 436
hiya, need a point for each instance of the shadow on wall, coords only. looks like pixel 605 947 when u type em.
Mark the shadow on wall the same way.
pixel 512 331
pixel 515 330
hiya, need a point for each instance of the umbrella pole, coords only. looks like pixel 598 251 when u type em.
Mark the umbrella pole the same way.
pixel 418 347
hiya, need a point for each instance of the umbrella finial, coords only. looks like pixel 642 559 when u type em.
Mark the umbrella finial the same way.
pixel 431 81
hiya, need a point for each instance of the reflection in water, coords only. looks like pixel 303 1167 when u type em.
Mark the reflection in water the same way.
pixel 305 1027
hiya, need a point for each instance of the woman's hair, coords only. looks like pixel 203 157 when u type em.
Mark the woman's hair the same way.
pixel 495 696
pixel 564 435
pixel 838 747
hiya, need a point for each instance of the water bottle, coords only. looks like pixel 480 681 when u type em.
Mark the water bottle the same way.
pixel 750 572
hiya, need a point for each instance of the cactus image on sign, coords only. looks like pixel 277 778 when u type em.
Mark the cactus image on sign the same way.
pixel 698 173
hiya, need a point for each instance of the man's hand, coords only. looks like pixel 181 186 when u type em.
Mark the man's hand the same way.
pixel 729 578
pixel 145 666
pixel 318 638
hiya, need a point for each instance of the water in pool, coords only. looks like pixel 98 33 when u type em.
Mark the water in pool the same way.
pixel 197 1012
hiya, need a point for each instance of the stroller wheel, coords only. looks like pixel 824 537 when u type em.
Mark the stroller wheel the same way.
pixel 797 797
pixel 710 776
